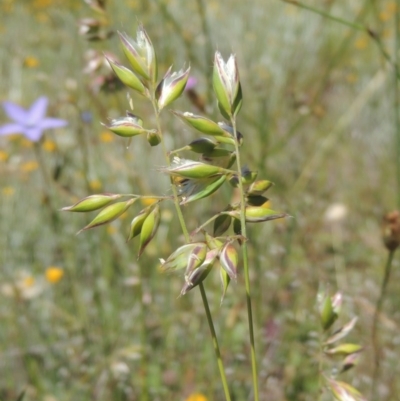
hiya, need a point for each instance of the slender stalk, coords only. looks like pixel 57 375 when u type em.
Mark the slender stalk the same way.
pixel 344 45
pixel 43 170
pixel 320 364
pixel 144 394
pixel 208 49
pixel 374 334
pixel 215 342
pixel 372 34
pixel 161 198
pixel 201 286
pixel 325 14
pixel 246 266
pixel 47 187
pixel 396 102
pixel 211 219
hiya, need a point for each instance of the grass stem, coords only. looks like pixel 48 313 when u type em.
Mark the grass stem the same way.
pixel 201 286
pixel 246 265
pixel 374 332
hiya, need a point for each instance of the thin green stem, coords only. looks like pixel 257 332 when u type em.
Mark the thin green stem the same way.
pixel 173 187
pixel 323 82
pixel 372 34
pixel 208 49
pixel 47 187
pixel 160 197
pixel 187 239
pixel 320 364
pixel 396 102
pixel 246 265
pixel 211 219
pixel 215 342
pixel 374 333
pixel 144 396
pixel 326 15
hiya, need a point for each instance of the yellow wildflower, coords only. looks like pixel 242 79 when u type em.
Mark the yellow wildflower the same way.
pixel 134 4
pixel 106 137
pixel 29 166
pixel 49 145
pixel 26 143
pixel 42 17
pixel 95 185
pixel 197 397
pixel 31 62
pixel 8 6
pixel 267 204
pixel 124 216
pixel 42 3
pixel 14 137
pixel 386 33
pixel 3 156
pixel 111 230
pixel 318 110
pixel 28 281
pixel 351 78
pixel 384 16
pixel 361 43
pixel 8 191
pixel 54 274
pixel 148 201
pixel 391 7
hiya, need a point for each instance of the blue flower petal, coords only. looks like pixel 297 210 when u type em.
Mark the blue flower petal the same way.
pixel 33 133
pixel 37 111
pixel 11 128
pixel 15 112
pixel 49 123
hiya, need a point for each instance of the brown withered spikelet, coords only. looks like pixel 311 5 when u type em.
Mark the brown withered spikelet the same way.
pixel 391 230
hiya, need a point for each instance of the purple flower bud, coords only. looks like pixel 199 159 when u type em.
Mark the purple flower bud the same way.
pixel 191 83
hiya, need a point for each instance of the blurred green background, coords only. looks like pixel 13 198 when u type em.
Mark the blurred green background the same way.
pixel 319 119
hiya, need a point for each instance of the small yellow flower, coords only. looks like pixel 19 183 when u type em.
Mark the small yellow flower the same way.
pixel 351 78
pixel 42 17
pixel 111 230
pixel 386 33
pixel 42 3
pixel 31 62
pixel 148 201
pixel 8 191
pixel 49 145
pixel 124 216
pixel 391 7
pixel 28 281
pixel 361 43
pixel 8 6
pixel 3 156
pixel 384 16
pixel 106 137
pixel 27 167
pixel 54 274
pixel 319 111
pixel 95 185
pixel 14 137
pixel 267 204
pixel 197 397
pixel 134 4
pixel 26 143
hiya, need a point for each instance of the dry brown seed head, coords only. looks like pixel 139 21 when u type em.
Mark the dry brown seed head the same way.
pixel 391 230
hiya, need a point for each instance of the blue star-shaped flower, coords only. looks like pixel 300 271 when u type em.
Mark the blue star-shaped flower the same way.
pixel 32 122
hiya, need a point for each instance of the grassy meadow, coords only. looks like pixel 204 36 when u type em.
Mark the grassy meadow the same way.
pixel 82 319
